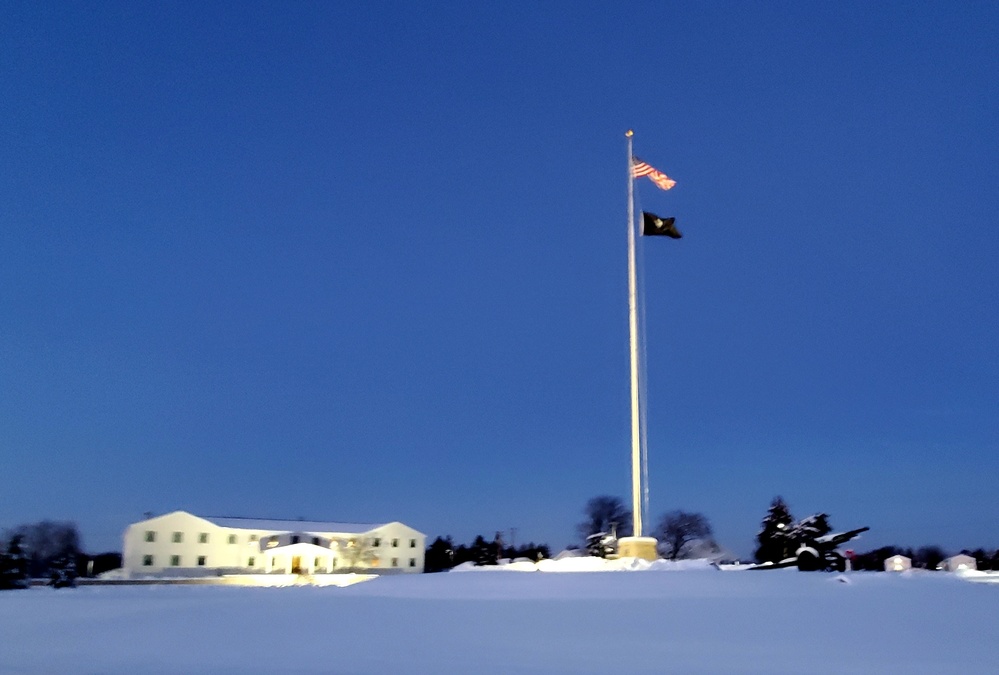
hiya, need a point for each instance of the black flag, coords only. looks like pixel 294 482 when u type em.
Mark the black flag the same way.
pixel 654 225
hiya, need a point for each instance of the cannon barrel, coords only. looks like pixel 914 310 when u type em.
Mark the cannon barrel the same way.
pixel 831 541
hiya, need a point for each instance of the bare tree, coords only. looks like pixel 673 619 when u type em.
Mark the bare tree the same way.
pixel 679 531
pixel 605 515
pixel 356 552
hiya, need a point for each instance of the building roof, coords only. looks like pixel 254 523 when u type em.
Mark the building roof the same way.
pixel 292 525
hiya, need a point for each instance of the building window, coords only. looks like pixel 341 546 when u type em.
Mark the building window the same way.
pixel 412 543
pixel 201 561
pixel 251 562
pixel 147 561
pixel 203 538
pixel 150 536
pixel 377 542
pixel 178 537
pixel 175 561
pixel 395 543
pixel 412 562
pixel 232 539
pixel 253 537
pixel 294 539
pixel 316 566
pixel 315 541
pixel 395 562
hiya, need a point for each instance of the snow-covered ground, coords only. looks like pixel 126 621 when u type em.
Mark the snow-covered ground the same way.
pixel 698 620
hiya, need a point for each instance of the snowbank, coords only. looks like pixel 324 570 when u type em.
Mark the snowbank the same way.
pixel 589 564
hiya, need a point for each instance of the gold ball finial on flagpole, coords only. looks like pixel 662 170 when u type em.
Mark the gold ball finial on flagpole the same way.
pixel 629 133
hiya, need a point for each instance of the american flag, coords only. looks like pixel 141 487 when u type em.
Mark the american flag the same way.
pixel 640 168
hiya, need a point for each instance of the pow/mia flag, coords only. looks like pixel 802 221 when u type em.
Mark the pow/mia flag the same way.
pixel 654 225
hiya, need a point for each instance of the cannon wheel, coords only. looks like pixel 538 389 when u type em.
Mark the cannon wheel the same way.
pixel 835 562
pixel 808 561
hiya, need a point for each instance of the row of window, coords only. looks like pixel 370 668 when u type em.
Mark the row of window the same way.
pixel 395 542
pixel 178 538
pixel 149 561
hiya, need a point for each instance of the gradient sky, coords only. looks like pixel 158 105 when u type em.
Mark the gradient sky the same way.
pixel 366 261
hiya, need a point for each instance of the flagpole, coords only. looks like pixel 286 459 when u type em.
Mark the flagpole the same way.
pixel 638 545
pixel 636 436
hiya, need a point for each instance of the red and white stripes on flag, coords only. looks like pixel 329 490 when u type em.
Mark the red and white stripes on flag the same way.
pixel 640 168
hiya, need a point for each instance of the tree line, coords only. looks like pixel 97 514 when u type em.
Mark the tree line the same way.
pixel 50 551
pixel 681 534
pixel 685 534
pixel 924 557
pixel 442 554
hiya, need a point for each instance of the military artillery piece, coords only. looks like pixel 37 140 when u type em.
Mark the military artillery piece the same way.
pixel 817 555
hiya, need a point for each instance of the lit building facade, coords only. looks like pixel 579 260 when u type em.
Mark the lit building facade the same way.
pixel 182 544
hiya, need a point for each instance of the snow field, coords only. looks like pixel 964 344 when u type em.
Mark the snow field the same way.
pixel 694 621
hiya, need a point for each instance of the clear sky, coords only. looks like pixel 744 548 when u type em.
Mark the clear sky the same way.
pixel 366 261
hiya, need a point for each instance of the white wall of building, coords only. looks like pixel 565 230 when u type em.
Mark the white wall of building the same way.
pixel 183 544
pixel 397 547
pixel 959 563
pixel 898 563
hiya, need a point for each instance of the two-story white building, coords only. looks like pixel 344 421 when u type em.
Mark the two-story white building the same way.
pixel 182 544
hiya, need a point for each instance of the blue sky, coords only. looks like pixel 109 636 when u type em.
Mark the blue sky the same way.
pixel 366 261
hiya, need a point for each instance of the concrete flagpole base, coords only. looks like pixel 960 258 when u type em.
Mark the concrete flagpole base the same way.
pixel 643 548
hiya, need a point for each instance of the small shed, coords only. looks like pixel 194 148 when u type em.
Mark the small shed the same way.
pixel 898 563
pixel 960 563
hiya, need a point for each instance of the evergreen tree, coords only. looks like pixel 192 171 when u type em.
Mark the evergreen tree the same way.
pixel 43 541
pixel 773 540
pixel 484 552
pixel 14 565
pixel 63 570
pixel 62 564
pixel 462 554
pixel 929 557
pixel 982 561
pixel 809 529
pixel 440 555
pixel 533 552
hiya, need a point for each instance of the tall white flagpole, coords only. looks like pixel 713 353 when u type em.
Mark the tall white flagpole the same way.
pixel 636 429
pixel 637 545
